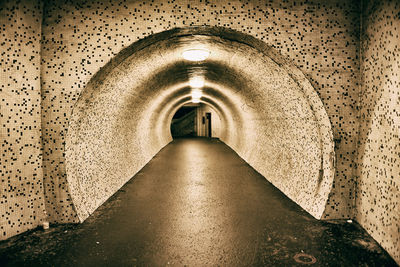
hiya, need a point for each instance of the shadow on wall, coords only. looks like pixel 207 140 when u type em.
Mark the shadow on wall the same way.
pixel 268 111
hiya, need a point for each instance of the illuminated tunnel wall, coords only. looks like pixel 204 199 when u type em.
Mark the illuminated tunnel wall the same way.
pixel 272 116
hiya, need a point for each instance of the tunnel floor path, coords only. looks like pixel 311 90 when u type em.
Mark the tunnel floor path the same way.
pixel 197 203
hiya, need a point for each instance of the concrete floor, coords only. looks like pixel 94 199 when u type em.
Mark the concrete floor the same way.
pixel 197 204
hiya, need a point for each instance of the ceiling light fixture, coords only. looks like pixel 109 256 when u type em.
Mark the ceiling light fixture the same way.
pixel 196 54
pixel 196 95
pixel 196 82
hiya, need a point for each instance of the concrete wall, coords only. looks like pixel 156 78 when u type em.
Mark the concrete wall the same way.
pixel 81 37
pixel 21 184
pixel 378 185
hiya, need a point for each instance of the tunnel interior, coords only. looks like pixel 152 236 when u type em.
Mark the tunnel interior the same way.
pixel 257 102
pixel 58 53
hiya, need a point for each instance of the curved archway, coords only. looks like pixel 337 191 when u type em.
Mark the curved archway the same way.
pixel 272 116
pixel 184 121
pixel 191 119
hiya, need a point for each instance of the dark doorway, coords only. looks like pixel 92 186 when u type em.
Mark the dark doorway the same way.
pixel 208 124
pixel 184 122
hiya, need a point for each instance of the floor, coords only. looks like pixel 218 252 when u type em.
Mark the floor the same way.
pixel 197 203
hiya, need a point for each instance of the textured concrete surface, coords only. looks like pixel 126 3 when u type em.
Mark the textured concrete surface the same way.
pixel 50 50
pixel 21 175
pixel 80 37
pixel 271 115
pixel 69 42
pixel 197 204
pixel 378 184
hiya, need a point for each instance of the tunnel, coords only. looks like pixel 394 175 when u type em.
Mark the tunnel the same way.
pixel 234 133
pixel 268 112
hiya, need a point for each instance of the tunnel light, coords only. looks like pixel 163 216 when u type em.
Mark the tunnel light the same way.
pixel 196 82
pixel 196 95
pixel 196 54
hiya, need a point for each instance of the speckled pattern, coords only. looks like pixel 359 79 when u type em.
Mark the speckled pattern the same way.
pixel 378 190
pixel 272 102
pixel 197 204
pixel 320 37
pixel 21 184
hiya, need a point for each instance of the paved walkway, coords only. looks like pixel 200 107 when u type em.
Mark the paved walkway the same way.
pixel 197 204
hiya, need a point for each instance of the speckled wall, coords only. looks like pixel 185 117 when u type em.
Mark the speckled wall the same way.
pixel 79 37
pixel 320 37
pixel 378 186
pixel 21 184
pixel 266 104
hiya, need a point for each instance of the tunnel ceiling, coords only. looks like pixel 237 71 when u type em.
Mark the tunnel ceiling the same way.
pixel 270 115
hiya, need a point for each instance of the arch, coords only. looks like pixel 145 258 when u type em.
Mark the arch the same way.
pixel 273 117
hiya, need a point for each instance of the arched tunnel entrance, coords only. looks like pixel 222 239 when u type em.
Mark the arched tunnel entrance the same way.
pixel 267 111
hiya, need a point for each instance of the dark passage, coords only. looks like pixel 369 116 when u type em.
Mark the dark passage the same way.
pixel 197 204
pixel 184 122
